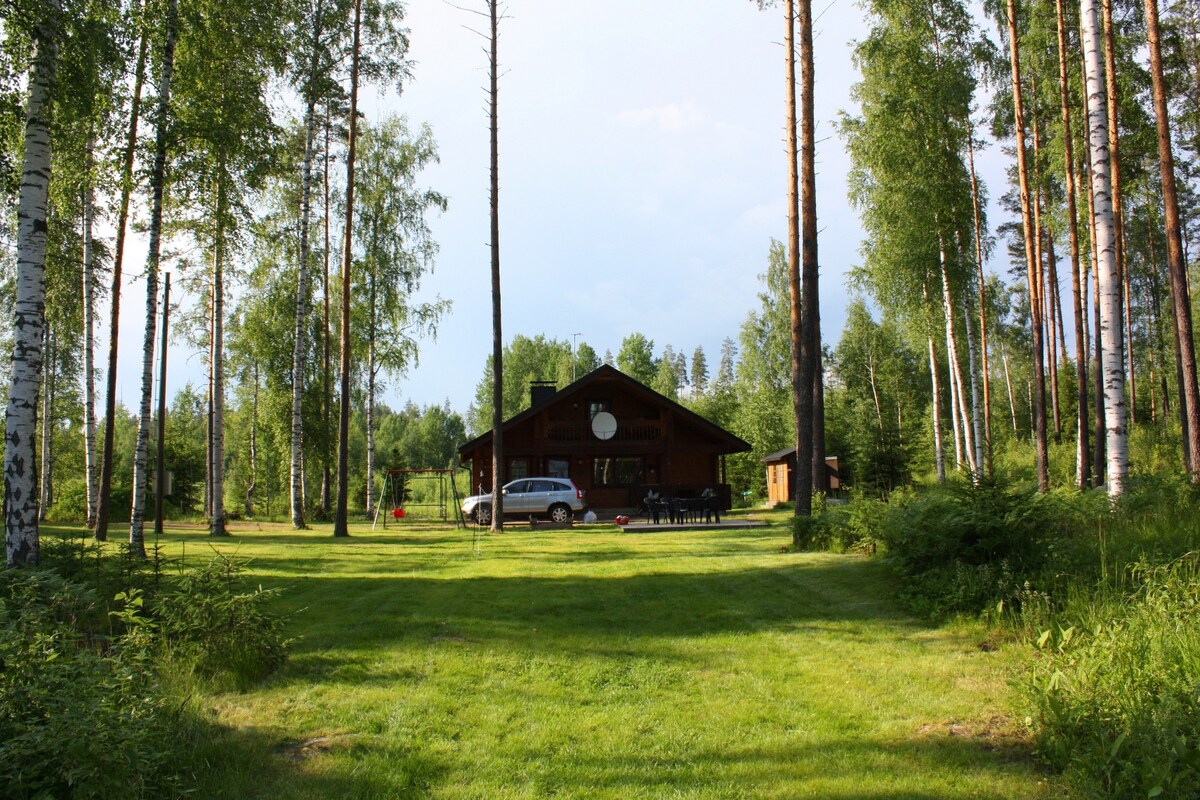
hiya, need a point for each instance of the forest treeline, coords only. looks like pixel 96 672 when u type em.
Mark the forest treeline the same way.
pixel 225 128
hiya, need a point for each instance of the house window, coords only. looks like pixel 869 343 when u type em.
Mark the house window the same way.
pixel 558 467
pixel 616 471
pixel 596 406
pixel 518 468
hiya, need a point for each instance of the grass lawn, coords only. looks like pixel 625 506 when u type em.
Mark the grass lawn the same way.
pixel 594 664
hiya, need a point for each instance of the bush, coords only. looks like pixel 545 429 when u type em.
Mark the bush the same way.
pixel 964 548
pixel 81 716
pixel 89 704
pixel 1116 697
pixel 218 631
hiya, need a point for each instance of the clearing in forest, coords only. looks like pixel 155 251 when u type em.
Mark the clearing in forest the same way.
pixel 594 664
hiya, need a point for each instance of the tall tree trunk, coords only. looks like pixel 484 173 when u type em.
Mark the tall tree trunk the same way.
pixel 983 328
pixel 1012 403
pixel 809 334
pixel 957 384
pixel 1176 265
pixel 158 171
pixel 110 401
pixel 217 523
pixel 47 459
pixel 1039 398
pixel 1054 334
pixel 1114 156
pixel 340 521
pixel 938 456
pixel 91 475
pixel 497 329
pixel 1099 459
pixel 208 436
pixel 954 406
pixel 298 348
pixel 250 489
pixel 976 423
pixel 371 371
pixel 811 379
pixel 160 485
pixel 327 396
pixel 297 432
pixel 1082 450
pixel 22 542
pixel 1113 362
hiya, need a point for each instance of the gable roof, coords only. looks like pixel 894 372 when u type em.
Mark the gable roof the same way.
pixel 608 373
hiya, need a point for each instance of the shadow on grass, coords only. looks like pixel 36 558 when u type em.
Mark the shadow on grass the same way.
pixel 918 769
pixel 588 613
pixel 249 763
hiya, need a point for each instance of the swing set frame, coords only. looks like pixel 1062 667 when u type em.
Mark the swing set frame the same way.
pixel 395 481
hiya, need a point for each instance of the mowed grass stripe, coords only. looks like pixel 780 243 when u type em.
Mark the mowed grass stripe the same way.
pixel 595 664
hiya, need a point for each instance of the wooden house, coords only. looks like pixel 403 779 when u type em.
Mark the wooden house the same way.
pixel 781 487
pixel 614 437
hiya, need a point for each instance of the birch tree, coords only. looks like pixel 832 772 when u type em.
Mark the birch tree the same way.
pixel 910 179
pixel 22 544
pixel 397 249
pixel 228 146
pixel 137 547
pixel 1107 274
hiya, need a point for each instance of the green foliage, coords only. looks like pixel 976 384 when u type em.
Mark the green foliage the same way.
pixel 220 631
pixel 1115 697
pixel 90 691
pixel 963 548
pixel 636 358
pixel 526 360
pixel 81 716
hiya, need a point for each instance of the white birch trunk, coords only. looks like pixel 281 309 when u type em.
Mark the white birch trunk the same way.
pixel 370 499
pixel 218 370
pixel 976 419
pixel 957 386
pixel 47 459
pixel 1111 312
pixel 89 346
pixel 22 544
pixel 953 385
pixel 297 466
pixel 253 449
pixel 1012 402
pixel 938 456
pixel 141 475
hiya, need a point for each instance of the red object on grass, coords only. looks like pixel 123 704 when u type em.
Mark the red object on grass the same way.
pixel 398 513
pixel 622 520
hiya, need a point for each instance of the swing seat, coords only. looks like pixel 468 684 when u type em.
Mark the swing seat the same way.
pixel 398 513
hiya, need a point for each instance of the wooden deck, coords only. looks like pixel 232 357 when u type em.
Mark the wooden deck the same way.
pixel 644 526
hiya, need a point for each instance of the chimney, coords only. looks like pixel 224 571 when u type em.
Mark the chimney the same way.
pixel 540 392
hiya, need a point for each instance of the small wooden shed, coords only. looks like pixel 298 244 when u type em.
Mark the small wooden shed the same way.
pixel 781 487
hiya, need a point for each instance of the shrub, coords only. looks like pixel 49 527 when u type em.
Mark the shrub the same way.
pixel 80 716
pixel 965 548
pixel 1115 698
pixel 220 632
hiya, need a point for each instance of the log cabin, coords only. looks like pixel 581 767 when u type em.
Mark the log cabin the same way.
pixel 616 438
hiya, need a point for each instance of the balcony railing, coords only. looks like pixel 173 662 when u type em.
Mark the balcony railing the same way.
pixel 641 431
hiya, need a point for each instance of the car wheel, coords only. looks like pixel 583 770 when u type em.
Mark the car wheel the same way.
pixel 560 512
pixel 483 514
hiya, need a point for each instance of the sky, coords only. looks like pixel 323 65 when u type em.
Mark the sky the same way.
pixel 642 177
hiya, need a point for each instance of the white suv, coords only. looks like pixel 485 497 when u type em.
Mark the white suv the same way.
pixel 557 498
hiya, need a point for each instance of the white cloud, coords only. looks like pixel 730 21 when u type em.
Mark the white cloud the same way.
pixel 670 119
